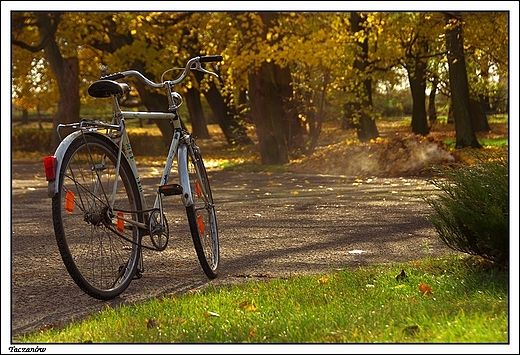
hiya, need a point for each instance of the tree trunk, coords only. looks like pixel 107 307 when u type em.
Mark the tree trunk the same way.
pixel 292 127
pixel 225 115
pixel 417 78
pixel 266 113
pixel 479 117
pixel 25 116
pixel 197 118
pixel 68 103
pixel 363 108
pixel 65 71
pixel 432 110
pixel 464 131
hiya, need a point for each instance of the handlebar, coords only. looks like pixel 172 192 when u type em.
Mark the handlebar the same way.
pixel 192 64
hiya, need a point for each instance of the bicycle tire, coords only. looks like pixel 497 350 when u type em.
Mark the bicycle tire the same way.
pixel 202 218
pixel 88 233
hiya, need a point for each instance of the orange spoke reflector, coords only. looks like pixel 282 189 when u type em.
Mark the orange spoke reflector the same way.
pixel 200 222
pixel 69 201
pixel 198 188
pixel 120 222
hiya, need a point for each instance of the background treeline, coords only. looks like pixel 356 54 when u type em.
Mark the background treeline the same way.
pixel 284 72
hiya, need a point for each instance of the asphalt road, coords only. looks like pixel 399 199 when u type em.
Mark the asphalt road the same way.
pixel 271 225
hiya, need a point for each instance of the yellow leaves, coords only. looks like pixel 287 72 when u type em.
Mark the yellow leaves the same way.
pixel 272 36
pixel 323 280
pixel 248 306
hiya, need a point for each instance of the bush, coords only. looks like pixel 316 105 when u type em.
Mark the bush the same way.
pixel 30 139
pixel 472 214
pixel 35 139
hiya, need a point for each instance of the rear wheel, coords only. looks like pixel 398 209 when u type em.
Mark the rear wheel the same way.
pixel 201 215
pixel 100 250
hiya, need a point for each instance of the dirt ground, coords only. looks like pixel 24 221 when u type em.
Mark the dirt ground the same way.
pixel 271 225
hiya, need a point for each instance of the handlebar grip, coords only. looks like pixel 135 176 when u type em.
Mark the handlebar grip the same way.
pixel 210 58
pixel 114 76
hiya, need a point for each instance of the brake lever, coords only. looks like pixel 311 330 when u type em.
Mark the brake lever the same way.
pixel 199 67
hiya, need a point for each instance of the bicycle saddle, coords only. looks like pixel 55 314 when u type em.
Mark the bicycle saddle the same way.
pixel 105 88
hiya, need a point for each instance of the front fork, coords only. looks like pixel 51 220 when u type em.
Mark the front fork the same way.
pixel 182 145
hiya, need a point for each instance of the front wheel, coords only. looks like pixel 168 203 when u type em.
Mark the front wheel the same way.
pixel 201 215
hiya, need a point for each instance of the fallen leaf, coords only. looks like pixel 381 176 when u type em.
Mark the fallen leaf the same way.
pixel 323 280
pixel 425 289
pixel 248 306
pixel 211 314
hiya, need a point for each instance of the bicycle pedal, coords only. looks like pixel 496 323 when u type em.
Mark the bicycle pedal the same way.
pixel 171 189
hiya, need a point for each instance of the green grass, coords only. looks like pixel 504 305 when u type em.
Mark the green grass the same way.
pixel 499 142
pixel 463 300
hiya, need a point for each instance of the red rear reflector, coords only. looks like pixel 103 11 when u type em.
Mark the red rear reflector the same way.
pixel 50 168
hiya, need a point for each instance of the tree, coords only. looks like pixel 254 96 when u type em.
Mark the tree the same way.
pixel 221 101
pixel 432 110
pixel 417 77
pixel 464 132
pixel 64 69
pixel 417 41
pixel 268 91
pixel 362 106
pixel 225 113
pixel 486 49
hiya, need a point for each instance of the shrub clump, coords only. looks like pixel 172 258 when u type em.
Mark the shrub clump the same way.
pixel 472 213
pixel 30 139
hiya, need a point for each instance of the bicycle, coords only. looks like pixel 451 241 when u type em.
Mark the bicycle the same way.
pixel 100 214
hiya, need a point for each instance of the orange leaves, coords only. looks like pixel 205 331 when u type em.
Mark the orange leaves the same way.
pixel 425 289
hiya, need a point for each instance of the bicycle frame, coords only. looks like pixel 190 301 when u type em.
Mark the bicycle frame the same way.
pixel 125 148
